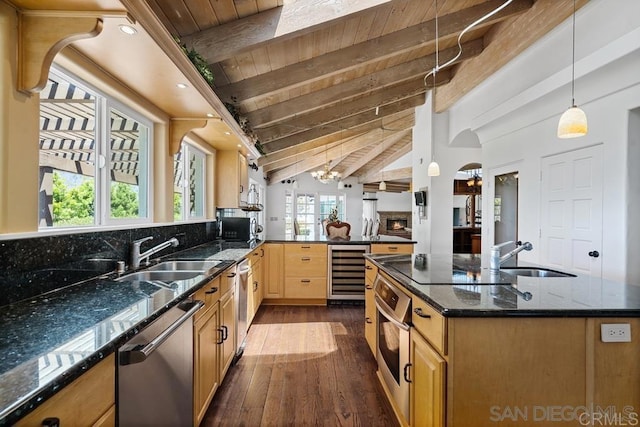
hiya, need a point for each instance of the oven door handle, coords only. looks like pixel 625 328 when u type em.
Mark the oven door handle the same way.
pixel 381 306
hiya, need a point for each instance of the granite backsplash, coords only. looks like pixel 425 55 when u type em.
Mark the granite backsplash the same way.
pixel 36 265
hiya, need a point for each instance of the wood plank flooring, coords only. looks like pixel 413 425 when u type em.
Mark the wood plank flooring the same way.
pixel 303 366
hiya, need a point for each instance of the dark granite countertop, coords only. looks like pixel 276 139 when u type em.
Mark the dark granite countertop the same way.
pixel 48 341
pixel 457 286
pixel 351 240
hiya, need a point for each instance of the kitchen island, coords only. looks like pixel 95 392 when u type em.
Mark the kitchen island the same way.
pixel 504 349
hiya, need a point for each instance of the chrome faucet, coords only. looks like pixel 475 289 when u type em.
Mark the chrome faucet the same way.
pixel 497 260
pixel 137 257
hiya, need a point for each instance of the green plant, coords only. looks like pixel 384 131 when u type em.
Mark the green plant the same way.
pixel 198 61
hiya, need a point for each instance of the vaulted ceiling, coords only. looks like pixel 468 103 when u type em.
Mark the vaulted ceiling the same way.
pixel 338 80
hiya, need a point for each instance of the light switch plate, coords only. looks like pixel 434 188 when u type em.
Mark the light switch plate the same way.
pixel 615 332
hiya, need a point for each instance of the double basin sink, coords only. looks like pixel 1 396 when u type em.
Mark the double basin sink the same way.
pixel 170 271
pixel 534 272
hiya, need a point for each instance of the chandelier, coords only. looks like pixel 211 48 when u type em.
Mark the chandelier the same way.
pixel 325 175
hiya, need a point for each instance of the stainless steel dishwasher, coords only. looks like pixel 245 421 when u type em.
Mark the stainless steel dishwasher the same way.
pixel 155 371
pixel 242 293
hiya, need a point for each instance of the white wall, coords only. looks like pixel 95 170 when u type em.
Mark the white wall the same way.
pixel 275 225
pixel 394 201
pixel 515 115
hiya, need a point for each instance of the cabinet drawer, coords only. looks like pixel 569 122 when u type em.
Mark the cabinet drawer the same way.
pixel 210 294
pixel 84 402
pixel 255 256
pixel 392 248
pixel 315 287
pixel 227 280
pixel 305 249
pixel 302 265
pixel 431 324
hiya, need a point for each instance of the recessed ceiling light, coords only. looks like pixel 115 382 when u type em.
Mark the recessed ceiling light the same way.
pixel 227 133
pixel 182 86
pixel 209 114
pixel 128 29
pixel 239 146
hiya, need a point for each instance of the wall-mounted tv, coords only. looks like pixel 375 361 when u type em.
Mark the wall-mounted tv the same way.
pixel 421 198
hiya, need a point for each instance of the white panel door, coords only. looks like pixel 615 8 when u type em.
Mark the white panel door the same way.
pixel 571 211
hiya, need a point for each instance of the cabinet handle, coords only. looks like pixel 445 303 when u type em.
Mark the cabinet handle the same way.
pixel 304 258
pixel 221 336
pixel 393 248
pixel 305 247
pixel 406 372
pixel 261 252
pixel 255 286
pixel 211 291
pixel 225 333
pixel 369 287
pixel 305 281
pixel 594 254
pixel 368 320
pixel 241 188
pixel 420 313
pixel 368 267
pixel 51 422
pixel 231 275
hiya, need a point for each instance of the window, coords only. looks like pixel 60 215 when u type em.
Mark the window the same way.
pixel 189 188
pixel 305 207
pixel 79 129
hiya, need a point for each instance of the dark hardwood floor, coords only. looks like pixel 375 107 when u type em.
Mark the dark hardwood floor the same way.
pixel 303 366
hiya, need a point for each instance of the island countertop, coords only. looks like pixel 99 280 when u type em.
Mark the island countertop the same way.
pixel 457 286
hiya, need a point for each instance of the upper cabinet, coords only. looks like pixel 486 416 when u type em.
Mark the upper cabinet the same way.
pixel 232 179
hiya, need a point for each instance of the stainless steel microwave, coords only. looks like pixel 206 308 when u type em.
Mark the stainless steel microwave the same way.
pixel 235 229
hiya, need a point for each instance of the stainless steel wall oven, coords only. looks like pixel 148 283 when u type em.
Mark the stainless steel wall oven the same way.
pixel 393 314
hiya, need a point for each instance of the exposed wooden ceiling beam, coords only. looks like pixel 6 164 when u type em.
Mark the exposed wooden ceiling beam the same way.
pixel 293 19
pixel 346 123
pixel 508 40
pixel 390 175
pixel 380 79
pixel 399 121
pixel 369 51
pixel 284 162
pixel 392 187
pixel 374 99
pixel 377 150
pixel 368 174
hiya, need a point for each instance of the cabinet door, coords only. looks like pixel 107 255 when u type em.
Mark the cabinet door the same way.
pixel 243 178
pixel 428 374
pixel 392 248
pixel 227 324
pixel 255 290
pixel 273 271
pixel 370 319
pixel 207 337
pixel 85 401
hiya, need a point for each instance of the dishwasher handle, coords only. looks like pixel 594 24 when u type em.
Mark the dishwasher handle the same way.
pixel 140 352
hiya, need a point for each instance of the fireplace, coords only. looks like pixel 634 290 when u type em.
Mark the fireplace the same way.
pixel 395 223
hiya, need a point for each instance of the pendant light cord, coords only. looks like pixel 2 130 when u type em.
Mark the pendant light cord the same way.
pixel 573 57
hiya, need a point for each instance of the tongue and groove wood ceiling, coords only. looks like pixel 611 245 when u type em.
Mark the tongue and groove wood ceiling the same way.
pixel 338 80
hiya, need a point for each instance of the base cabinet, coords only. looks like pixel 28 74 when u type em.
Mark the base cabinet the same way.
pixel 205 370
pixel 370 314
pixel 427 387
pixel 227 324
pixel 273 270
pixel 88 401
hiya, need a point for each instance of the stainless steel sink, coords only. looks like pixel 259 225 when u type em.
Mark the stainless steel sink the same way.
pixel 535 272
pixel 160 276
pixel 184 265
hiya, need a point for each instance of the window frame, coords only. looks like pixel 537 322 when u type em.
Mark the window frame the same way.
pixel 186 148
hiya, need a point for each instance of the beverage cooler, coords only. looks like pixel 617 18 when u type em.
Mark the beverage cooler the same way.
pixel 346 272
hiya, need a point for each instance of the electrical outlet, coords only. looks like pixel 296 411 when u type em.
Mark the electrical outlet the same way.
pixel 615 332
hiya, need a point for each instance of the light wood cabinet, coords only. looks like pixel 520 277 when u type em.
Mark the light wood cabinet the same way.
pixel 254 293
pixel 427 387
pixel 370 314
pixel 232 179
pixel 206 339
pixel 87 401
pixel 392 248
pixel 305 271
pixel 228 331
pixel 273 271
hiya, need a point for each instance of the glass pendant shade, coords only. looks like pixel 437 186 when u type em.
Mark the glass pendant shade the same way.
pixel 433 169
pixel 573 123
pixel 382 186
pixel 340 185
pixel 325 175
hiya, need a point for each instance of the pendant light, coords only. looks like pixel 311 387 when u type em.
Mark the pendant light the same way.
pixel 573 122
pixel 382 186
pixel 434 167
